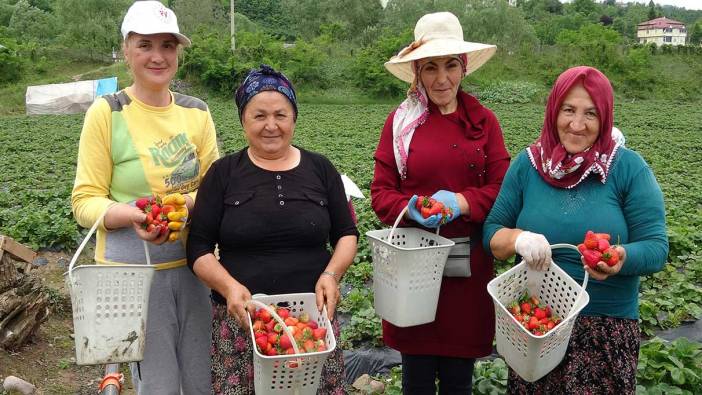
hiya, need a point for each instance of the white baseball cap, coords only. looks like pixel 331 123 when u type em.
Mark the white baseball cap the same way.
pixel 152 17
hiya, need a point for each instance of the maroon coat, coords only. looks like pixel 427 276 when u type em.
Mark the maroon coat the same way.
pixel 462 152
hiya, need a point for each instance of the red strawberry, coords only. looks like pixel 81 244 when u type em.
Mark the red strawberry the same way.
pixel 605 236
pixel 610 256
pixel 533 323
pixel 142 202
pixel 262 343
pixel 514 308
pixel 602 244
pixel 272 338
pixel 264 315
pixel 285 341
pixel 592 257
pixel 526 308
pixel 590 240
pixel 155 210
pixel 539 313
pixel 283 312
pixel 550 325
pixel 581 247
pixel 319 333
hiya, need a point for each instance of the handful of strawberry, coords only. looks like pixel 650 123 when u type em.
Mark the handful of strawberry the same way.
pixel 167 214
pixel 536 317
pixel 428 206
pixel 271 339
pixel 596 248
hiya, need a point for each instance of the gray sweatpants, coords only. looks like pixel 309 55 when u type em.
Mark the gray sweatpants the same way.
pixel 178 337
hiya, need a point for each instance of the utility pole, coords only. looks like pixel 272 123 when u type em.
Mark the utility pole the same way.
pixel 231 16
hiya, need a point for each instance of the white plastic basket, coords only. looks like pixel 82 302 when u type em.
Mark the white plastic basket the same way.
pixel 110 304
pixel 297 374
pixel 529 355
pixel 408 264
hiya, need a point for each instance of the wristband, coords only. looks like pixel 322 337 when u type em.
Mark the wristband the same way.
pixel 330 273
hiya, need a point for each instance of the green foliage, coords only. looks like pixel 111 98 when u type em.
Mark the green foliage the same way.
pixel 29 23
pixel 91 25
pixel 368 72
pixel 509 92
pixel 669 368
pixel 11 65
pixel 490 377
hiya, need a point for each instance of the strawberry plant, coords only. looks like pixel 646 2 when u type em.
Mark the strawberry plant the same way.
pixel 669 367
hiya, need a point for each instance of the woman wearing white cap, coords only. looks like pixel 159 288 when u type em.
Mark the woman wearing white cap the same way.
pixel 442 142
pixel 141 141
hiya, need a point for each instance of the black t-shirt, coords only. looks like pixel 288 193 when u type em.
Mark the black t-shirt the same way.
pixel 273 228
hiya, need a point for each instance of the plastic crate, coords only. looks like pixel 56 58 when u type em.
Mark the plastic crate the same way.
pixel 408 264
pixel 296 373
pixel 529 355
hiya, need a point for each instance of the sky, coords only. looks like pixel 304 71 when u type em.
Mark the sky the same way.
pixel 689 4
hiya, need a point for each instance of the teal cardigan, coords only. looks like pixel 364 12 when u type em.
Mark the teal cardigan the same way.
pixel 629 206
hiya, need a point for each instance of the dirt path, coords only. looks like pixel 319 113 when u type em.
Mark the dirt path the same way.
pixel 48 360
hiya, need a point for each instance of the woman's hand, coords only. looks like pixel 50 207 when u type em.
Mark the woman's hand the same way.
pixel 237 295
pixel 449 200
pixel 328 294
pixel 534 249
pixel 137 218
pixel 603 270
pixel 431 221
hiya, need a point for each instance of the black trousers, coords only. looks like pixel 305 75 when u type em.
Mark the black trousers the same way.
pixel 419 374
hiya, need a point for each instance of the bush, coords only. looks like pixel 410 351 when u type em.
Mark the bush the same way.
pixel 368 72
pixel 11 65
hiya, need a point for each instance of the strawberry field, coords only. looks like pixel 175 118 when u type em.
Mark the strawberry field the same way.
pixel 37 166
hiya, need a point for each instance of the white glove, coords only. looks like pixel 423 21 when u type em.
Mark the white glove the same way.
pixel 535 250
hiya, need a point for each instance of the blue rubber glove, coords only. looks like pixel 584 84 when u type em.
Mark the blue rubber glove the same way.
pixel 449 200
pixel 430 222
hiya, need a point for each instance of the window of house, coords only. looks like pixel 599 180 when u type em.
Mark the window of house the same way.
pixel 667 39
pixel 668 30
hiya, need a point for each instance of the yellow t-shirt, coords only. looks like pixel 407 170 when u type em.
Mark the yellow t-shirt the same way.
pixel 129 150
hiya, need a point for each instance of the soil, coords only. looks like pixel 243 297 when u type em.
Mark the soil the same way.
pixel 48 359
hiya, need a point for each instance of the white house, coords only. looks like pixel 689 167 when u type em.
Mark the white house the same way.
pixel 662 31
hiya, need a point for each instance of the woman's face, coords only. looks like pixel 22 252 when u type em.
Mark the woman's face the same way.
pixel 441 77
pixel 578 122
pixel 152 58
pixel 269 123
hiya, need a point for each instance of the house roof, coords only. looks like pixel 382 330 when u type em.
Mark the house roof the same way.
pixel 660 23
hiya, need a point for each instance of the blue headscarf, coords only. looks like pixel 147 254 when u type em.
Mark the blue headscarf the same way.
pixel 264 79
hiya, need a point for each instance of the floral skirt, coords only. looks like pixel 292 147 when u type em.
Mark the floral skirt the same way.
pixel 602 356
pixel 232 359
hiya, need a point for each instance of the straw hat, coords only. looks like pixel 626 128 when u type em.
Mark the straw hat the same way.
pixel 438 34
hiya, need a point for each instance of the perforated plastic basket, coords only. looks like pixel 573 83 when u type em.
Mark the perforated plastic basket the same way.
pixel 408 264
pixel 296 373
pixel 531 356
pixel 110 305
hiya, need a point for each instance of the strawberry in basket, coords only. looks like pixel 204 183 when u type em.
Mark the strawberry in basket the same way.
pixel 167 214
pixel 595 248
pixel 536 317
pixel 271 339
pixel 429 206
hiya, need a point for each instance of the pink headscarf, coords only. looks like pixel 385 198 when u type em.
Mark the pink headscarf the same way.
pixel 547 154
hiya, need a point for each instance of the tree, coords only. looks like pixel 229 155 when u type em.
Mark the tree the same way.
pixel 696 33
pixel 652 14
pixel 32 24
pixel 585 7
pixel 91 25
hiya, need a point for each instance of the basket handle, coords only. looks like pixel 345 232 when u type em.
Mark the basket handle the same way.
pixel 585 279
pixel 87 238
pixel 281 322
pixel 397 222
